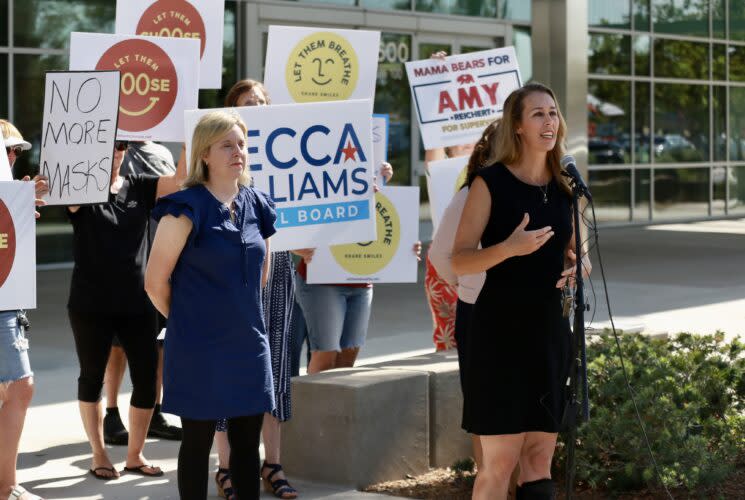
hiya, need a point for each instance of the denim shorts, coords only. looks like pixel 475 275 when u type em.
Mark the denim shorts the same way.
pixel 336 316
pixel 14 364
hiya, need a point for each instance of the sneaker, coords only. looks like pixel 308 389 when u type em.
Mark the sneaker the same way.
pixel 160 428
pixel 113 428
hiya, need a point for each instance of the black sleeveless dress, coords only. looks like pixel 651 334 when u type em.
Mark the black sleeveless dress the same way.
pixel 519 342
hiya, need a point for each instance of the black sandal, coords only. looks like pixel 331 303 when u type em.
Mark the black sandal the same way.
pixel 223 492
pixel 279 487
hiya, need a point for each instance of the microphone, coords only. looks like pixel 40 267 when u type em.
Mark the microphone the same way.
pixel 569 165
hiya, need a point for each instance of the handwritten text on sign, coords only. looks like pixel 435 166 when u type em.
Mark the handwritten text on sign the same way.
pixel 78 133
pixel 456 98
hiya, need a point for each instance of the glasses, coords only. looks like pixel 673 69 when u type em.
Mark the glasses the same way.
pixel 121 145
pixel 16 150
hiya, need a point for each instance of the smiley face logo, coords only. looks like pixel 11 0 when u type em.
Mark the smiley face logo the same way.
pixel 322 67
pixel 7 243
pixel 173 18
pixel 368 258
pixel 149 83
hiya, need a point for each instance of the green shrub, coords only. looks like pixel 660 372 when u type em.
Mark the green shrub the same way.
pixel 690 391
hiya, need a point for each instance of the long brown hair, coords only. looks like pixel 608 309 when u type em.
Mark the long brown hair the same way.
pixel 507 144
pixel 240 88
pixel 482 151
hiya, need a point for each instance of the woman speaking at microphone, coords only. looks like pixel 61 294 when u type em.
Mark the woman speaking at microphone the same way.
pixel 519 209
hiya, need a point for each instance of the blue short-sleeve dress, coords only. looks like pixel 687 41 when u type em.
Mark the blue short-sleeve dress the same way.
pixel 217 362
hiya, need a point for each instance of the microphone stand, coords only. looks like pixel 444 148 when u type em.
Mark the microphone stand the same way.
pixel 578 364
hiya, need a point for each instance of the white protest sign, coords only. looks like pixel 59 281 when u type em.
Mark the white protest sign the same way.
pixel 5 172
pixel 315 161
pixel 78 134
pixel 160 80
pixel 17 246
pixel 389 259
pixel 202 20
pixel 444 179
pixel 380 124
pixel 320 64
pixel 456 98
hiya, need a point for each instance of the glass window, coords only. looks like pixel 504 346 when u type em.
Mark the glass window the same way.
pixel 642 123
pixel 514 10
pixel 736 63
pixel 679 59
pixel 641 15
pixel 641 194
pixel 336 2
pixel 681 193
pixel 719 104
pixel 718 21
pixel 736 124
pixel 736 180
pixel 719 61
pixel 609 122
pixel 386 4
pixel 467 49
pixel 215 98
pixel 719 194
pixel 736 20
pixel 427 49
pixel 611 192
pixel 641 55
pixel 609 54
pixel 523 42
pixel 3 85
pixel 392 97
pixel 48 23
pixel 681 17
pixel 681 123
pixel 3 19
pixel 616 14
pixel 459 7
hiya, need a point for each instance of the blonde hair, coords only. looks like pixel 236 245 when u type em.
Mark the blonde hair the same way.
pixel 210 128
pixel 9 130
pixel 507 144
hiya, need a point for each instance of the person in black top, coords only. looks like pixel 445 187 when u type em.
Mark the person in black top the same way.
pixel 519 209
pixel 107 298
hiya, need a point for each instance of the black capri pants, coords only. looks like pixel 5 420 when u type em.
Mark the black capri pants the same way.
pixel 94 333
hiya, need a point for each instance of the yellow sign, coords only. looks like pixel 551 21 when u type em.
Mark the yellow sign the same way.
pixel 366 259
pixel 322 67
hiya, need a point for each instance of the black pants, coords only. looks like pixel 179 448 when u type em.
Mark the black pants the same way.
pixel 93 334
pixel 194 456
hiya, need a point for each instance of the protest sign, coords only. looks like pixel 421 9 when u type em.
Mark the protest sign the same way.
pixel 159 80
pixel 380 143
pixel 315 161
pixel 319 64
pixel 202 20
pixel 17 246
pixel 388 259
pixel 78 134
pixel 456 98
pixel 444 179
pixel 5 173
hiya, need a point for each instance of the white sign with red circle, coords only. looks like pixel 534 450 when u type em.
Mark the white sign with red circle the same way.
pixel 17 246
pixel 159 80
pixel 201 20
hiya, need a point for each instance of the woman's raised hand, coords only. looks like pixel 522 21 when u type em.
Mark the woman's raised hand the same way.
pixel 522 242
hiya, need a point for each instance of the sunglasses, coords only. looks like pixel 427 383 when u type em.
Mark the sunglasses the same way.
pixel 121 145
pixel 16 150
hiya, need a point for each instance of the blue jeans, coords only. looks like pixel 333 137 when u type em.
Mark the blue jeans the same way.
pixel 336 316
pixel 14 363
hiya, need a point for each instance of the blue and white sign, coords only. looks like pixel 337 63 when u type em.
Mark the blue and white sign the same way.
pixel 316 162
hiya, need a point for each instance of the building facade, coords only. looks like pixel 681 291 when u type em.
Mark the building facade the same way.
pixel 651 88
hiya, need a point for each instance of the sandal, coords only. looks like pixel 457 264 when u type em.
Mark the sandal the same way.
pixel 94 473
pixel 280 488
pixel 19 491
pixel 141 471
pixel 223 492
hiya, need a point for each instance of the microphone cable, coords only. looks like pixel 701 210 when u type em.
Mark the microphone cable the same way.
pixel 620 352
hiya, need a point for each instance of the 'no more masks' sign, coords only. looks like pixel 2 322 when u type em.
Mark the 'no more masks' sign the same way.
pixel 17 246
pixel 316 162
pixel 159 80
pixel 456 98
pixel 388 259
pixel 197 19
pixel 78 134
pixel 314 64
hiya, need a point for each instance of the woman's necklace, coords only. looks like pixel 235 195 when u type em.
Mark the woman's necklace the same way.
pixel 544 191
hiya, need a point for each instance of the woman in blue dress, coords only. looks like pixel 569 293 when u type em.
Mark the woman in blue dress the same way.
pixel 207 266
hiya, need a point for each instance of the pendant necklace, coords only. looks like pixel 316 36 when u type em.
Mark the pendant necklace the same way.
pixel 544 191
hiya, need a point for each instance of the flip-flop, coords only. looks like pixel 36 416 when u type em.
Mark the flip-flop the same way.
pixel 94 473
pixel 139 470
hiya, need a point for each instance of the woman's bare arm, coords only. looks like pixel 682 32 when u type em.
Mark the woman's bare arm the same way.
pixel 170 239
